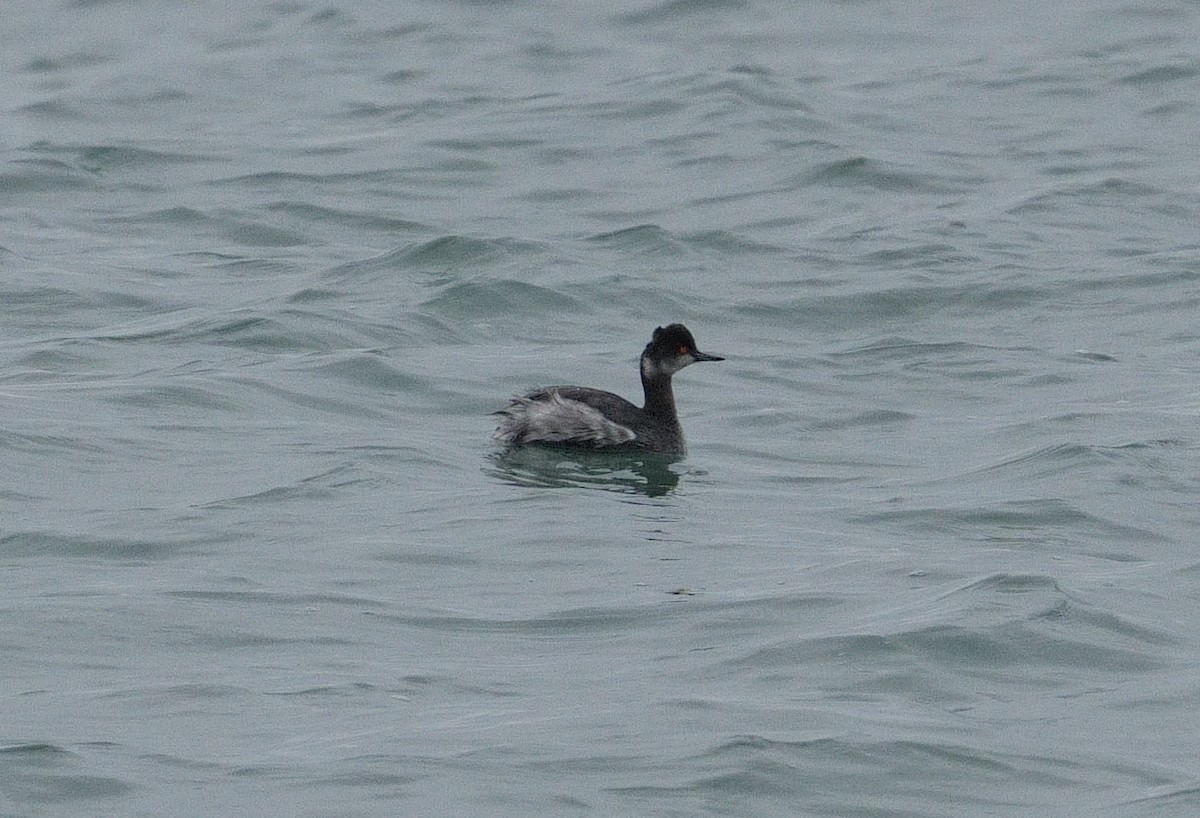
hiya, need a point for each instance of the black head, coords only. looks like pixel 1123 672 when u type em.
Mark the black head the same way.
pixel 671 349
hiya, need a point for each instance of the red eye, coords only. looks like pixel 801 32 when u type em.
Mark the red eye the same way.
pixel 683 349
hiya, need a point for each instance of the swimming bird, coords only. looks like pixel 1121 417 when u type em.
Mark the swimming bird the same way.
pixel 582 418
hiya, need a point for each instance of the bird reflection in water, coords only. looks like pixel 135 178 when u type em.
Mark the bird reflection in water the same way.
pixel 626 473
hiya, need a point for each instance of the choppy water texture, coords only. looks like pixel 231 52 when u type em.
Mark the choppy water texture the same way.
pixel 268 266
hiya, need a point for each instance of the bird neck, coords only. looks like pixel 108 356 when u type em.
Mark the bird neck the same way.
pixel 660 398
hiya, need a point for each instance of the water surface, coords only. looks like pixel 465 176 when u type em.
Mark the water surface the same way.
pixel 267 267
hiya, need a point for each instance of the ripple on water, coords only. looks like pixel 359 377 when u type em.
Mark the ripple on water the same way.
pixel 43 544
pixel 49 774
pixel 1036 524
pixel 1003 629
pixel 846 775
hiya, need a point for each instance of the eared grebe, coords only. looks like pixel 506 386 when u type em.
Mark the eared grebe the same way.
pixel 579 417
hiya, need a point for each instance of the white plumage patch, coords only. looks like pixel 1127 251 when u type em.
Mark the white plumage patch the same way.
pixel 555 419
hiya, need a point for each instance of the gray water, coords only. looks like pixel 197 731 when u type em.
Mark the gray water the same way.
pixel 267 267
